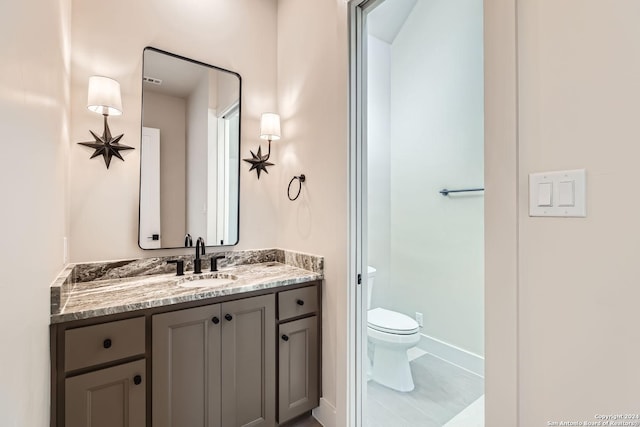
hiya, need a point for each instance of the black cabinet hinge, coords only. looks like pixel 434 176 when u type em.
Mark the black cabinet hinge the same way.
pixel 359 279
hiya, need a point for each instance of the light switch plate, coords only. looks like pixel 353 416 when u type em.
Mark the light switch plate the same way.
pixel 568 193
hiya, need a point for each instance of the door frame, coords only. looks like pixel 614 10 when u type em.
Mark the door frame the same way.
pixel 501 216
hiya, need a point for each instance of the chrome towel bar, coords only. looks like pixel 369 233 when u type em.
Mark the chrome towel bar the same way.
pixel 446 192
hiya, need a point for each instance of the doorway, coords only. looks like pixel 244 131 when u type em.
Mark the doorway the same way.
pixel 422 247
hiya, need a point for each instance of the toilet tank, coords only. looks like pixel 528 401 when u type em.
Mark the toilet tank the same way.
pixel 371 276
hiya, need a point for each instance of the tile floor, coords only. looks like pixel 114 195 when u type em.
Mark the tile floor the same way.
pixel 306 421
pixel 442 391
pixel 444 396
pixel 472 416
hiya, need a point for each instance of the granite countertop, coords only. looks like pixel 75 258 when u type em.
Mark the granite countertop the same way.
pixel 83 291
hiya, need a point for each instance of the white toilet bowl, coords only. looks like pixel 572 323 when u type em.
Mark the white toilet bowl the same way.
pixel 392 334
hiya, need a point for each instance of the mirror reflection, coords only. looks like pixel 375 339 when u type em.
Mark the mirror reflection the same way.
pixel 189 159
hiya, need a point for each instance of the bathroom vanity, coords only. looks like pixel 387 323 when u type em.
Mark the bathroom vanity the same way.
pixel 133 344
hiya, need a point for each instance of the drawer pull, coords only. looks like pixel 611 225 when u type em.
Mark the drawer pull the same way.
pixel 228 317
pixel 106 343
pixel 285 338
pixel 215 320
pixel 300 302
pixel 137 380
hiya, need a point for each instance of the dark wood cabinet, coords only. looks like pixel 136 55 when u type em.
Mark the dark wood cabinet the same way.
pixel 248 362
pixel 99 374
pixel 298 367
pixel 103 343
pixel 213 365
pixel 298 352
pixel 110 397
pixel 186 368
pixel 216 363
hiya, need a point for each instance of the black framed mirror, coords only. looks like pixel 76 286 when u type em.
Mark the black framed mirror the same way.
pixel 189 153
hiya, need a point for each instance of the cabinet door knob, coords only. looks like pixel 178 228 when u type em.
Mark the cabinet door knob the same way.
pixel 285 338
pixel 137 380
pixel 228 316
pixel 106 343
pixel 215 320
pixel 300 302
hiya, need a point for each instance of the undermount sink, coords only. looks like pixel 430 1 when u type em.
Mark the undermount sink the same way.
pixel 207 281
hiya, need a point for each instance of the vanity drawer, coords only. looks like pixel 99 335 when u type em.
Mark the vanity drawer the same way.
pixel 297 302
pixel 106 342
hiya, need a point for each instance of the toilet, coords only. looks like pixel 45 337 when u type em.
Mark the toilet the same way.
pixel 391 334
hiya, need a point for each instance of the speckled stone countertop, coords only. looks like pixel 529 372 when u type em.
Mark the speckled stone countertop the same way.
pixel 87 290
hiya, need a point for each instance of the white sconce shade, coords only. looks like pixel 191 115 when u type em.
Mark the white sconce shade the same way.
pixel 270 126
pixel 104 96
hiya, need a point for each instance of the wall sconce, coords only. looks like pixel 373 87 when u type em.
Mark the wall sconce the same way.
pixel 269 130
pixel 104 98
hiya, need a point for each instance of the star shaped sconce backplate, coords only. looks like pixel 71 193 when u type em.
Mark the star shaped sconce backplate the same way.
pixel 259 162
pixel 106 145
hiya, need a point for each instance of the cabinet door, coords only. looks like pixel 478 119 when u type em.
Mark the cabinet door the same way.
pixel 298 363
pixel 112 397
pixel 186 368
pixel 248 362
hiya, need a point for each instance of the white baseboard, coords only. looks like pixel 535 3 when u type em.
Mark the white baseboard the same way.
pixel 325 413
pixel 455 355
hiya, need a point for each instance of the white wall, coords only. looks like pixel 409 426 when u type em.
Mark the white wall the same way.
pixel 235 35
pixel 437 142
pixel 34 95
pixel 379 165
pixel 312 96
pixel 579 333
pixel 561 343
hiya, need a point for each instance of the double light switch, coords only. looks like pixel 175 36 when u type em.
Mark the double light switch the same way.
pixel 559 193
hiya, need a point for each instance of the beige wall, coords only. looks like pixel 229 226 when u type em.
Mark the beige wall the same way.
pixel 561 293
pixel 501 214
pixel 579 332
pixel 198 158
pixel 108 39
pixel 226 91
pixel 34 95
pixel 168 113
pixel 240 36
pixel 312 95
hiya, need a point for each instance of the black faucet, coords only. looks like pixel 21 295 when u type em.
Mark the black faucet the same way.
pixel 187 241
pixel 197 262
pixel 179 266
pixel 214 262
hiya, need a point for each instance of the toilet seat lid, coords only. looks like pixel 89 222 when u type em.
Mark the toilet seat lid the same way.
pixel 391 322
